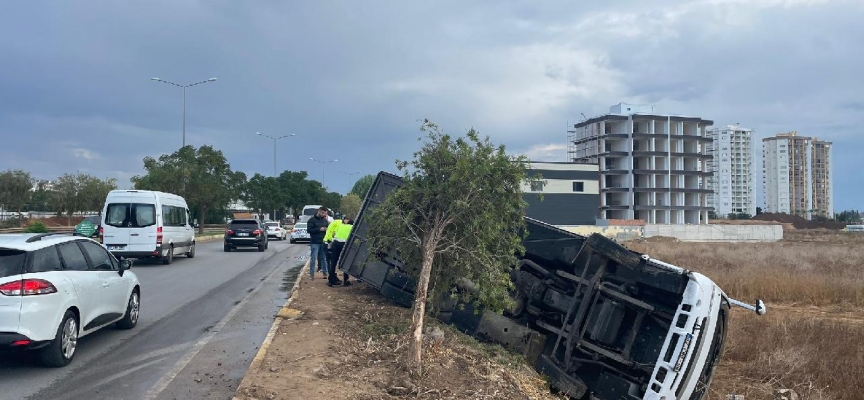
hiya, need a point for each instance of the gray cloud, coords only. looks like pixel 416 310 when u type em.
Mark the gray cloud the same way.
pixel 353 81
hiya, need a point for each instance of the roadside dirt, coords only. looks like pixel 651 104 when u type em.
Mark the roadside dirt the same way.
pixel 351 343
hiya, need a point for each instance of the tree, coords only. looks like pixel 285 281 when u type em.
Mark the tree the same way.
pixel 94 191
pixel 331 200
pixel 361 187
pixel 41 198
pixel 264 193
pixel 758 210
pixel 299 190
pixel 203 177
pixel 15 188
pixel 459 215
pixel 350 205
pixel 67 196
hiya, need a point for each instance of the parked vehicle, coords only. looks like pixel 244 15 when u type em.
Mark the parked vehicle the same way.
pixel 299 233
pixel 245 233
pixel 58 288
pixel 600 321
pixel 275 230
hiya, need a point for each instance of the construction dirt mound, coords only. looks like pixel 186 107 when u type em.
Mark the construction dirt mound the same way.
pixel 799 222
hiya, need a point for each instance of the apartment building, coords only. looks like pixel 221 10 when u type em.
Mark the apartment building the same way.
pixel 797 175
pixel 570 193
pixel 652 165
pixel 732 183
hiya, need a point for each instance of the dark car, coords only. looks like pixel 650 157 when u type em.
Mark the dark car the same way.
pixel 245 233
pixel 89 226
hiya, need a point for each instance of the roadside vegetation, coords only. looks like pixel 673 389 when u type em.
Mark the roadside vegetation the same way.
pixel 201 175
pixel 810 339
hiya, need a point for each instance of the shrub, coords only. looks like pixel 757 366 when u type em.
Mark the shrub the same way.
pixel 36 227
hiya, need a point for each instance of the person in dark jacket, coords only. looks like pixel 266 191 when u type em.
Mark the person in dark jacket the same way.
pixel 317 228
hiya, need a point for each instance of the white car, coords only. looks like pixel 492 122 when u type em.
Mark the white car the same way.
pixel 275 230
pixel 299 233
pixel 57 288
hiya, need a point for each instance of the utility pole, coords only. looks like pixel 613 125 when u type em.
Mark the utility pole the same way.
pixel 184 98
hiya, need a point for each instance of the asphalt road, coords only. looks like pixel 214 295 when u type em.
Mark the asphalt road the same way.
pixel 202 321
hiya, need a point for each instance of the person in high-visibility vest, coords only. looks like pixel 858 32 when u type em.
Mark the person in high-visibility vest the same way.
pixel 338 238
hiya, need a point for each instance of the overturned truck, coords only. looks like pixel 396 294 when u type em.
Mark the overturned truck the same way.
pixel 600 321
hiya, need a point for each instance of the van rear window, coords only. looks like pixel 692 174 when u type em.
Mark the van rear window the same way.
pixel 130 215
pixel 11 262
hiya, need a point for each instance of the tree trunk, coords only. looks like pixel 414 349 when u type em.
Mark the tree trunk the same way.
pixel 201 220
pixel 420 309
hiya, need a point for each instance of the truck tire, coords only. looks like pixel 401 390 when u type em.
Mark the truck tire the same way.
pixel 400 280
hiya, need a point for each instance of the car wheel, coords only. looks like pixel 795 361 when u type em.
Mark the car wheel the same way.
pixel 170 257
pixel 60 351
pixel 226 248
pixel 262 247
pixel 266 245
pixel 191 253
pixel 133 309
pixel 292 241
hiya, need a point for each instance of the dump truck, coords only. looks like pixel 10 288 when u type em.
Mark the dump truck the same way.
pixel 600 321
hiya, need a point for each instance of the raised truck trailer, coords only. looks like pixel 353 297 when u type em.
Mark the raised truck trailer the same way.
pixel 600 321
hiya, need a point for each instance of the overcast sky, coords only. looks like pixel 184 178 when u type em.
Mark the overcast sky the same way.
pixel 352 80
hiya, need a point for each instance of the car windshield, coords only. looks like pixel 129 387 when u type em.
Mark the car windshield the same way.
pixel 272 225
pixel 11 262
pixel 245 224
pixel 95 220
pixel 301 225
pixel 130 215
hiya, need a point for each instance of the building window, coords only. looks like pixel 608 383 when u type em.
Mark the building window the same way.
pixel 537 186
pixel 578 186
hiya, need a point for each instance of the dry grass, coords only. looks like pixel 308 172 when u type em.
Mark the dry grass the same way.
pixel 818 272
pixel 810 340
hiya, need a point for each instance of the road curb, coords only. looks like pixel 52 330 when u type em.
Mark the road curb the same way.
pixel 207 238
pixel 277 321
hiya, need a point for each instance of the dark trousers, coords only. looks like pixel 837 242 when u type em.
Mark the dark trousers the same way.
pixel 333 256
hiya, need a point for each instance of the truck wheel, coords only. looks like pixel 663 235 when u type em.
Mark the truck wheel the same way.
pixel 191 253
pixel 170 257
pixel 401 280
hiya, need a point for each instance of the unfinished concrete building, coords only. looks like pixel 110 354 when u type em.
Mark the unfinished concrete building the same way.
pixel 652 166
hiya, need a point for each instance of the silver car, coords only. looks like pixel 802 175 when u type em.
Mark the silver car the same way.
pixel 299 233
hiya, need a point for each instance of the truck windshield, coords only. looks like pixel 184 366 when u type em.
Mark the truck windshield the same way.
pixel 130 215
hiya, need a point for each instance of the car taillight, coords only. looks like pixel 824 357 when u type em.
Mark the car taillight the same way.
pixel 277 229
pixel 256 232
pixel 159 235
pixel 229 232
pixel 101 235
pixel 27 287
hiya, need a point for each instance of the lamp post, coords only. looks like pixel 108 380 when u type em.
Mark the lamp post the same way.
pixel 323 168
pixel 275 139
pixel 184 98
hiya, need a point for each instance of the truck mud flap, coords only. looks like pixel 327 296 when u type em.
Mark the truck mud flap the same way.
pixel 566 384
pixel 603 246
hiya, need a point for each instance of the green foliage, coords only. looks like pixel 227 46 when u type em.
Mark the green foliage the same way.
pixel 79 192
pixel 41 199
pixel 361 187
pixel 462 201
pixel 739 216
pixel 848 216
pixel 264 193
pixel 203 177
pixel 36 227
pixel 350 205
pixel 758 210
pixel 15 187
pixel 331 200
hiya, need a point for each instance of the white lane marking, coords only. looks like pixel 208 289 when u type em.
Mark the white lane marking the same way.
pixel 187 358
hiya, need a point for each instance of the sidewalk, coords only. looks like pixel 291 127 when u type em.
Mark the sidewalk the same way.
pixel 351 343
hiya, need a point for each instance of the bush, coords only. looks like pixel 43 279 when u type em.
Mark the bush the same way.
pixel 36 227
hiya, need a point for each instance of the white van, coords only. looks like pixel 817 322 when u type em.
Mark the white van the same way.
pixel 310 210
pixel 147 224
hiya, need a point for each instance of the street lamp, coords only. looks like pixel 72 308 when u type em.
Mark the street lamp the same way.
pixel 184 98
pixel 274 146
pixel 323 168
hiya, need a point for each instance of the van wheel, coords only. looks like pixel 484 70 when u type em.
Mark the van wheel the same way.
pixel 60 351
pixel 191 253
pixel 170 257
